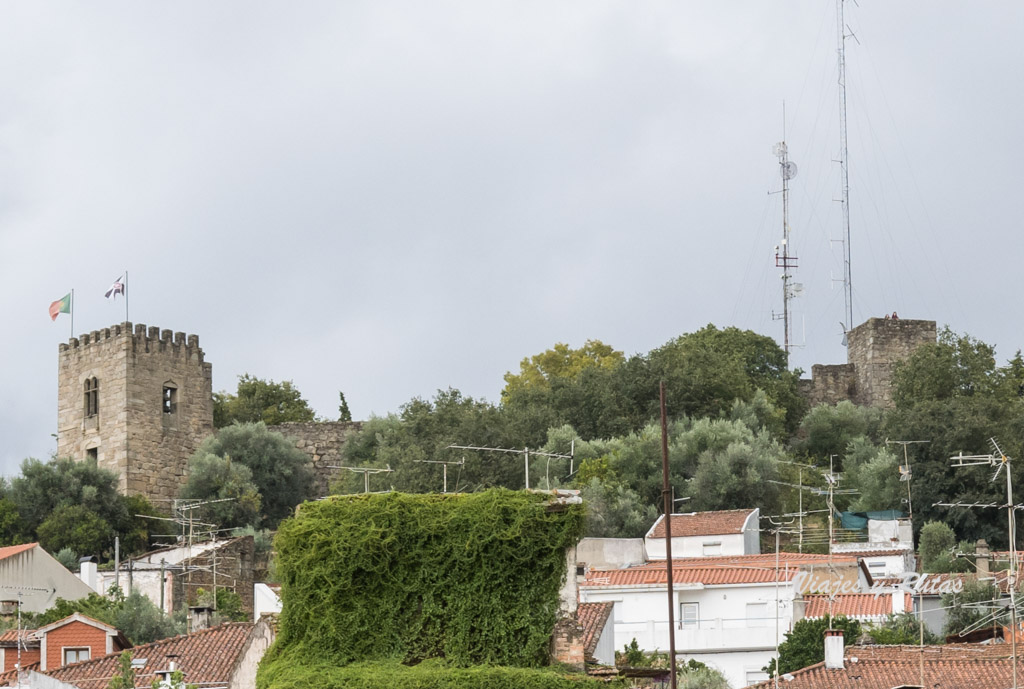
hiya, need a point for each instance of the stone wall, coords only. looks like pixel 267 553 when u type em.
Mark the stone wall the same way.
pixel 131 434
pixel 874 348
pixel 236 570
pixel 323 441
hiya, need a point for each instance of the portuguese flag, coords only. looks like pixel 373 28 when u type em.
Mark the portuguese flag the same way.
pixel 62 305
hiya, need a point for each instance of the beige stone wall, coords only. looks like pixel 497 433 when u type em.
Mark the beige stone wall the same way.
pixel 323 441
pixel 131 434
pixel 875 347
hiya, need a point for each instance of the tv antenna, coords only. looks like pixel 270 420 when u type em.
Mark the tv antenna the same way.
pixel 444 464
pixel 525 452
pixel 906 474
pixel 1000 461
pixel 783 258
pixel 366 472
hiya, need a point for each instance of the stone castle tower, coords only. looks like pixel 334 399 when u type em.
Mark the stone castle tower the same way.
pixel 138 401
pixel 874 348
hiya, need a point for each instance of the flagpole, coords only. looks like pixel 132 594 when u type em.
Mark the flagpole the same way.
pixel 72 310
pixel 125 296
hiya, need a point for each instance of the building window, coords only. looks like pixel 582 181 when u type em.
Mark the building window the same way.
pixel 757 615
pixel 755 676
pixel 170 398
pixel 92 399
pixel 689 615
pixel 93 454
pixel 712 548
pixel 75 655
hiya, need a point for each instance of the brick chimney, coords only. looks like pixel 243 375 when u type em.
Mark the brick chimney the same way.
pixel 982 553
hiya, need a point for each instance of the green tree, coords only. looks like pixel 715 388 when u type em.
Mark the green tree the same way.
pixel 280 471
pixel 805 644
pixel 142 621
pixel 563 362
pixel 12 528
pixel 68 558
pixel 828 430
pixel 211 477
pixel 344 414
pixel 261 400
pixel 75 527
pixel 124 677
pixel 740 476
pixel 875 472
pixel 697 675
pixel 707 370
pixel 935 546
pixel 615 511
pixel 954 366
pixel 971 604
pixel 902 629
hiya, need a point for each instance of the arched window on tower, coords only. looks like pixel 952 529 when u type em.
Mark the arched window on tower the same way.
pixel 92 397
pixel 170 398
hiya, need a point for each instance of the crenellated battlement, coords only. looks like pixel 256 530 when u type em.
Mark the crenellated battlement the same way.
pixel 140 337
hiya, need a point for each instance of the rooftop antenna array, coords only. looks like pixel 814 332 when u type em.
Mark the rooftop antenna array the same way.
pixel 1000 461
pixel 783 259
pixel 906 474
pixel 444 464
pixel 525 452
pixel 366 472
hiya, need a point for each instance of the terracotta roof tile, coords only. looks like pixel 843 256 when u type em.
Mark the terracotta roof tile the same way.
pixel 858 605
pixel 709 576
pixel 763 559
pixel 593 617
pixel 703 523
pixel 10 678
pixel 7 551
pixel 205 657
pixel 883 667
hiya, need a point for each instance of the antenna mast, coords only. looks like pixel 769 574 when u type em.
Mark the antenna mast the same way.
pixel 783 259
pixel 847 276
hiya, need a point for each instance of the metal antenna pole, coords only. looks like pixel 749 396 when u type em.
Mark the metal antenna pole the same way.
pixel 905 473
pixel 444 464
pixel 526 452
pixel 843 165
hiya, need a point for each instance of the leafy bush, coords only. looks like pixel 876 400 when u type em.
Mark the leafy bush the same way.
pixel 280 673
pixel 473 579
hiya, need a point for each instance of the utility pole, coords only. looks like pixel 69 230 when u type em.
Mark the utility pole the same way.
pixel 905 472
pixel 777 528
pixel 666 496
pixel 844 168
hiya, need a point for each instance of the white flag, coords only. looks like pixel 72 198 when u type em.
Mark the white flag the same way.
pixel 116 289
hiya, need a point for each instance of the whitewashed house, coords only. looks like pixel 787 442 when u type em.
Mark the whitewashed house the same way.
pixel 884 559
pixel 706 534
pixel 729 611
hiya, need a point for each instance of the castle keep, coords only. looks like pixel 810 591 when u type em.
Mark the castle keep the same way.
pixel 874 348
pixel 138 402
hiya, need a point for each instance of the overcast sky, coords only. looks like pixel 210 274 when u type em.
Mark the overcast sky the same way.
pixel 389 198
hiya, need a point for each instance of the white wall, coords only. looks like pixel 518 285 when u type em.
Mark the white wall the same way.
pixel 264 600
pixel 605 651
pixel 724 631
pixel 693 546
pixel 614 553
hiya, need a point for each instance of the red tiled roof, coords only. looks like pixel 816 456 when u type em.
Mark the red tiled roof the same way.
pixel 9 639
pixel 709 576
pixel 853 605
pixel 7 551
pixel 592 617
pixel 703 523
pixel 763 559
pixel 10 678
pixel 882 667
pixel 205 657
pixel 875 553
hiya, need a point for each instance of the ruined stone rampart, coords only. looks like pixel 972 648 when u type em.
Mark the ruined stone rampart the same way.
pixel 323 441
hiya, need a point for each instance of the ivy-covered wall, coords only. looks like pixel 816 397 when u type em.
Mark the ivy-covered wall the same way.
pixel 398 578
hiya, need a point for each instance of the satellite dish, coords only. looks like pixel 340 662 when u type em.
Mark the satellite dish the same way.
pixel 797 289
pixel 779 149
pixel 788 170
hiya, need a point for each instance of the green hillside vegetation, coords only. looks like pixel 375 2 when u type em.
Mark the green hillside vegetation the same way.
pixel 400 590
